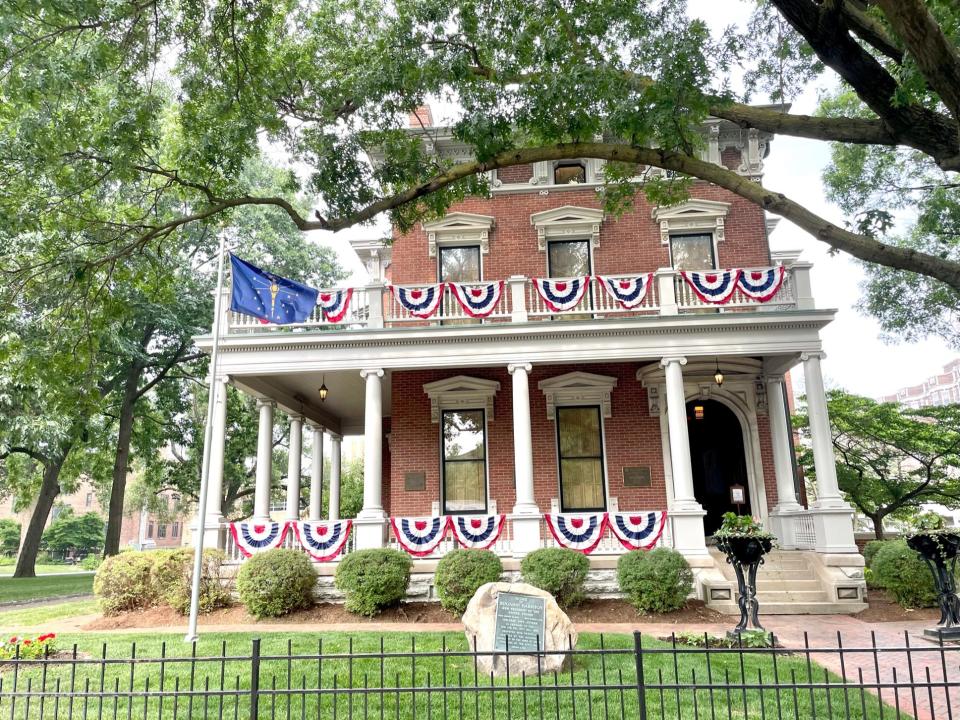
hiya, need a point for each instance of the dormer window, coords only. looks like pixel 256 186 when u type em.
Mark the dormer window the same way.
pixel 569 173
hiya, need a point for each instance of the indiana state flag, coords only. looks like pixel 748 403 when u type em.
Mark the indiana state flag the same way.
pixel 271 298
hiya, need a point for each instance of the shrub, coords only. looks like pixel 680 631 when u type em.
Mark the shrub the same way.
pixel 904 575
pixel 871 549
pixel 276 582
pixel 373 579
pixel 461 572
pixel 173 573
pixel 655 581
pixel 123 582
pixel 91 562
pixel 559 571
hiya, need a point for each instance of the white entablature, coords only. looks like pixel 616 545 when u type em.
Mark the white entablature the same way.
pixel 459 227
pixel 578 388
pixel 568 222
pixel 461 392
pixel 692 215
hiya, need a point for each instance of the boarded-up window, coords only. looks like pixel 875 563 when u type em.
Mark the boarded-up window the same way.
pixel 515 174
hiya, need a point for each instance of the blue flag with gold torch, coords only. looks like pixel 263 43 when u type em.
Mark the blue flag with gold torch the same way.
pixel 269 297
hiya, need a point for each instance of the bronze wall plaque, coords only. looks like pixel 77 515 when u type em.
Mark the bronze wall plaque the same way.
pixel 636 477
pixel 415 481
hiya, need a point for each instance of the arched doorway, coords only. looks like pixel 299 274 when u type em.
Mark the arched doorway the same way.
pixel 717 453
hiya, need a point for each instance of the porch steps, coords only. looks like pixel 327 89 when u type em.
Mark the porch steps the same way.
pixel 787 584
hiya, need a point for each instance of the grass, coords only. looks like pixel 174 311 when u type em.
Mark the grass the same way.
pixel 44 569
pixel 30 617
pixel 418 673
pixel 39 588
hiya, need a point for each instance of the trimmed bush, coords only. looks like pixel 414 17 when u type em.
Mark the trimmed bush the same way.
pixel 276 582
pixel 124 582
pixel 559 571
pixel 373 579
pixel 656 581
pixel 173 573
pixel 461 572
pixel 871 549
pixel 904 575
pixel 91 562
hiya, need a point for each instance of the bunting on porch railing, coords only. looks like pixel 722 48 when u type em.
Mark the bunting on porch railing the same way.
pixel 637 530
pixel 561 295
pixel 322 540
pixel 334 303
pixel 629 291
pixel 477 299
pixel 581 532
pixel 421 302
pixel 715 286
pixel 761 284
pixel 477 532
pixel 254 537
pixel 420 536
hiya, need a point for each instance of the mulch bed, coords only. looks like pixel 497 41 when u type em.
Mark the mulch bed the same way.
pixel 883 608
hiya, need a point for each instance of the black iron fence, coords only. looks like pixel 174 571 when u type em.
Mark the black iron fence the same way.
pixel 429 676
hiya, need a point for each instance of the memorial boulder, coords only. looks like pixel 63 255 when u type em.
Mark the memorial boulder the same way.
pixel 523 618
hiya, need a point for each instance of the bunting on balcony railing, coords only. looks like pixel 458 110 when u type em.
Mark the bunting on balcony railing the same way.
pixel 629 291
pixel 637 530
pixel 761 284
pixel 477 299
pixel 714 287
pixel 421 302
pixel 561 295
pixel 254 537
pixel 477 532
pixel 334 303
pixel 420 536
pixel 581 532
pixel 323 540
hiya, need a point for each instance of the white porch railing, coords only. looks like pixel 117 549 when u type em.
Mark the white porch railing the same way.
pixel 502 547
pixel 596 303
pixel 688 300
pixel 608 545
pixel 358 315
pixel 451 311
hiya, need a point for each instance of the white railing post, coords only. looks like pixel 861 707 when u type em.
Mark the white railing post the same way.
pixel 518 298
pixel 666 290
pixel 375 307
pixel 801 285
pixel 224 311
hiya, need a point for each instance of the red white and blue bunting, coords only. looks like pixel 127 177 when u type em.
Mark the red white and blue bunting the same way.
pixel 581 532
pixel 254 537
pixel 637 530
pixel 477 299
pixel 629 291
pixel 761 284
pixel 334 303
pixel 715 286
pixel 420 536
pixel 477 532
pixel 421 302
pixel 562 295
pixel 323 540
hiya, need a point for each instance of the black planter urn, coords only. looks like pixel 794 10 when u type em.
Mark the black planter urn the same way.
pixel 745 554
pixel 939 551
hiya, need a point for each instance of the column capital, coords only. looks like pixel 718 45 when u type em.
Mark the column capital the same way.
pixel 815 354
pixel 371 371
pixel 774 379
pixel 314 426
pixel 670 359
pixel 334 437
pixel 266 402
pixel 223 379
pixel 295 417
pixel 513 367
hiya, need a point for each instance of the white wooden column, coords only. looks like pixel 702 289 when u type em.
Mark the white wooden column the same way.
pixel 370 524
pixel 526 514
pixel 261 496
pixel 294 460
pixel 334 507
pixel 784 514
pixel 316 473
pixel 218 438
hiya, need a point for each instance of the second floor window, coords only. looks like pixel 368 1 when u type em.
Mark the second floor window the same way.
pixel 458 264
pixel 89 499
pixel 567 173
pixel 692 252
pixel 175 530
pixel 161 531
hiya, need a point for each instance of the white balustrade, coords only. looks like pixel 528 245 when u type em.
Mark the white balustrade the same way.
pixel 450 311
pixel 357 315
pixel 688 300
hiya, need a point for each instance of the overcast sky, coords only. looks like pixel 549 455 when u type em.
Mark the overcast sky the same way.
pixel 858 359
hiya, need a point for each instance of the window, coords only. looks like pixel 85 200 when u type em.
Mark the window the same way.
pixel 463 444
pixel 457 264
pixel 150 529
pixel 566 173
pixel 692 252
pixel 161 530
pixel 89 499
pixel 175 530
pixel 569 259
pixel 580 449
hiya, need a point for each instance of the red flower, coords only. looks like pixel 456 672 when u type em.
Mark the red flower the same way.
pixel 13 640
pixel 27 642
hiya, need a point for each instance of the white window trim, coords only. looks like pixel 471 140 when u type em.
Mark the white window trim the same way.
pixel 567 223
pixel 578 389
pixel 461 393
pixel 459 228
pixel 693 216
pixel 442 504
pixel 605 490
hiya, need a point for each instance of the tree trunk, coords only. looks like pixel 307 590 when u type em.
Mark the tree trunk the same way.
pixel 878 532
pixel 121 463
pixel 49 489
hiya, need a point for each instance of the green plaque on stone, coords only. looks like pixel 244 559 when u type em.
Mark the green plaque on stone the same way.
pixel 522 619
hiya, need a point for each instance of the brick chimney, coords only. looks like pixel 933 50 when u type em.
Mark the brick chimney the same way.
pixel 421 117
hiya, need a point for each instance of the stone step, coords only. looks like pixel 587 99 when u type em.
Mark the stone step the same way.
pixel 785 595
pixel 768 584
pixel 794 608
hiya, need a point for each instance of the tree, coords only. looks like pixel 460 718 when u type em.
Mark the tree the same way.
pixel 891 460
pixel 75 533
pixel 332 83
pixel 9 536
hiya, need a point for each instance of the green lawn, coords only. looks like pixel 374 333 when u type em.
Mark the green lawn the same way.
pixel 44 569
pixel 418 674
pixel 30 617
pixel 41 587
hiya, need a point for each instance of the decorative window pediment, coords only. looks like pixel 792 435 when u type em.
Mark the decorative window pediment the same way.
pixel 461 392
pixel 567 222
pixel 459 228
pixel 578 388
pixel 692 216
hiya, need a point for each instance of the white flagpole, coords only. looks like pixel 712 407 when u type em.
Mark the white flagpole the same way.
pixel 192 634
